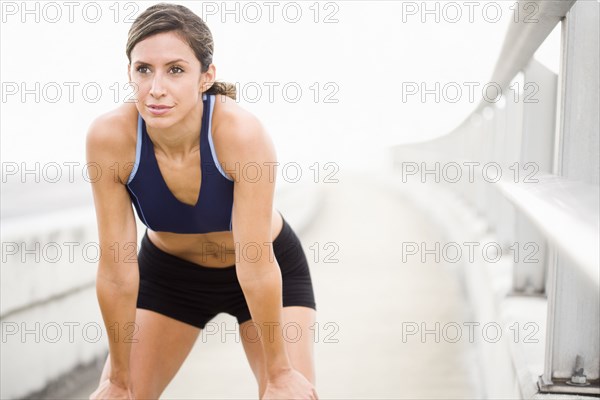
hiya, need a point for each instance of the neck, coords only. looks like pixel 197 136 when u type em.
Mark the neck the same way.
pixel 180 139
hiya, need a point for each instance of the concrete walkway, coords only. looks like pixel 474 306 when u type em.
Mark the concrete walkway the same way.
pixel 368 296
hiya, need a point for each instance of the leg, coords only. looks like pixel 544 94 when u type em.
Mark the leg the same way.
pixel 299 344
pixel 162 346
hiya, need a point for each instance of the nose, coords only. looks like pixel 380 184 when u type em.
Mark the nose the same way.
pixel 157 89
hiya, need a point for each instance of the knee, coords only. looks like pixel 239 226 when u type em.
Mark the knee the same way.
pixel 143 389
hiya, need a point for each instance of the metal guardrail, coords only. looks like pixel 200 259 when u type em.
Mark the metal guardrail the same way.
pixel 526 35
pixel 572 207
pixel 558 134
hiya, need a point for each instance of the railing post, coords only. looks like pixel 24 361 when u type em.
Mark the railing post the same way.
pixel 573 335
pixel 537 144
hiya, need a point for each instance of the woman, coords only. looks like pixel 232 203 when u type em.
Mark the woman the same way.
pixel 187 144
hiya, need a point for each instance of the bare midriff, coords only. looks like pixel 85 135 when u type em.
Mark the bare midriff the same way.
pixel 214 249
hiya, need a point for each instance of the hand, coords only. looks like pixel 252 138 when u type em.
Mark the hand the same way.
pixel 108 390
pixel 290 384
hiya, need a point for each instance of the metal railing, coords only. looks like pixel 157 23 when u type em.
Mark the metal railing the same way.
pixel 551 146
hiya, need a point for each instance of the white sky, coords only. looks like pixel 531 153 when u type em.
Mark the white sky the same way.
pixel 368 54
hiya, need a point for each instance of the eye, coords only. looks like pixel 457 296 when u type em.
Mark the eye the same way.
pixel 141 67
pixel 177 68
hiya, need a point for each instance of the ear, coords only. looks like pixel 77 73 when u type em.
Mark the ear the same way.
pixel 129 72
pixel 207 79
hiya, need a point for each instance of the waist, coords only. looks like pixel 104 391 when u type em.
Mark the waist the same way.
pixel 207 255
pixel 214 250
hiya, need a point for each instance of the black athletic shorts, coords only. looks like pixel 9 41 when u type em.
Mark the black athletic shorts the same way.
pixel 195 294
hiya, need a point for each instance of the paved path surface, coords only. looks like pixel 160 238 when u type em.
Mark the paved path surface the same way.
pixel 369 294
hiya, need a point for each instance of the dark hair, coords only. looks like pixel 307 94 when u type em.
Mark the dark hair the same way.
pixel 191 28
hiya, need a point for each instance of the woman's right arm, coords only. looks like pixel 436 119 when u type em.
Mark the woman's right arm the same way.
pixel 117 279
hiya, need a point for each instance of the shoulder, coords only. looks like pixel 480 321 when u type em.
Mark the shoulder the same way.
pixel 239 135
pixel 111 138
pixel 114 126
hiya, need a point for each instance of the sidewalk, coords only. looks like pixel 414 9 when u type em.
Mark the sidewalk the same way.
pixel 366 296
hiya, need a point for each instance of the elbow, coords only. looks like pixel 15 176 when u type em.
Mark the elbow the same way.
pixel 259 274
pixel 118 277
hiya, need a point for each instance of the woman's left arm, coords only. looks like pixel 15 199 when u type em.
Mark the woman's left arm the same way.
pixel 258 272
pixel 256 267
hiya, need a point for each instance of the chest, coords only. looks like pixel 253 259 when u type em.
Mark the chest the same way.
pixel 182 178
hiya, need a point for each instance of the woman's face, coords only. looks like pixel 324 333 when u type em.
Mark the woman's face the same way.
pixel 166 76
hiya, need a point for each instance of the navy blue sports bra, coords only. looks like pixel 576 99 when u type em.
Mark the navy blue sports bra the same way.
pixel 155 204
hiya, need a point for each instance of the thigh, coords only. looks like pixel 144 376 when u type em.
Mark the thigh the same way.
pixel 298 322
pixel 161 345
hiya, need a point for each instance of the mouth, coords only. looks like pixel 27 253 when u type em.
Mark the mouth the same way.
pixel 158 109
